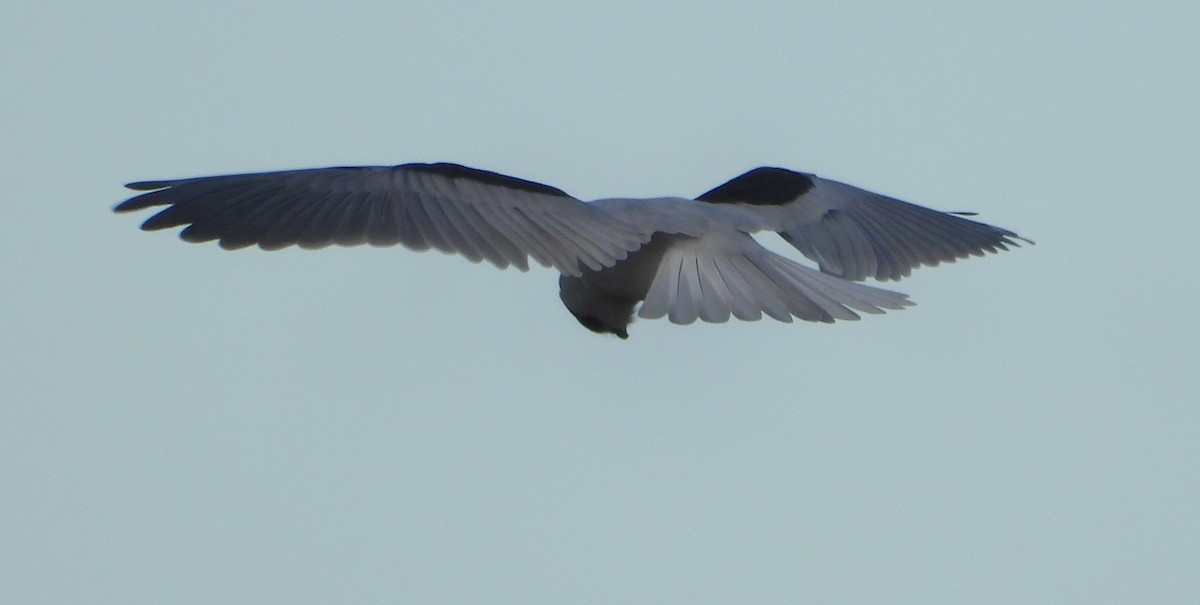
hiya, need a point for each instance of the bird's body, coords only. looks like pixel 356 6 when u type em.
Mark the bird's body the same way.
pixel 681 258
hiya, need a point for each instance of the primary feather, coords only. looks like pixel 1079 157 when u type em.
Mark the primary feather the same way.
pixel 679 258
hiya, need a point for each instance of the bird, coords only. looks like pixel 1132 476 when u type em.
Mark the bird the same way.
pixel 685 259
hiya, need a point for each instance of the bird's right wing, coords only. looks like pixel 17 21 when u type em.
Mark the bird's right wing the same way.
pixel 476 213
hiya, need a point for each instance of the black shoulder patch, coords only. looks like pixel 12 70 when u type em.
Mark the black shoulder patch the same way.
pixel 765 186
pixel 458 171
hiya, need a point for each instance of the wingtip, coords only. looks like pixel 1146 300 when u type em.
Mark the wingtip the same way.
pixel 126 206
pixel 145 200
pixel 1009 236
pixel 147 185
pixel 136 203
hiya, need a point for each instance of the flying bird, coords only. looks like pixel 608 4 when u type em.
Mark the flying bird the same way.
pixel 680 258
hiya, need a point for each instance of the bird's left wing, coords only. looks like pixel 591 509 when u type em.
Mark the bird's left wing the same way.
pixel 854 233
pixel 476 213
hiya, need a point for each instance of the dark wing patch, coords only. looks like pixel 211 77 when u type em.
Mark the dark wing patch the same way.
pixel 765 186
pixel 487 177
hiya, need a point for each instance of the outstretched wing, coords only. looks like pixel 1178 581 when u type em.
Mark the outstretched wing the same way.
pixel 476 213
pixel 853 233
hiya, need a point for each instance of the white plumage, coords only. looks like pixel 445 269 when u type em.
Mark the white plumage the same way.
pixel 684 259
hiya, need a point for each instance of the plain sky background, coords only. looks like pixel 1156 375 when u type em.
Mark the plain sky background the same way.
pixel 182 424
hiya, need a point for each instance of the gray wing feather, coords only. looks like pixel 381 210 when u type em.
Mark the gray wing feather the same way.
pixel 855 234
pixel 478 214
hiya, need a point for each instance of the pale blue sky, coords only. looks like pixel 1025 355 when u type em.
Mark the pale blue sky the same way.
pixel 182 424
